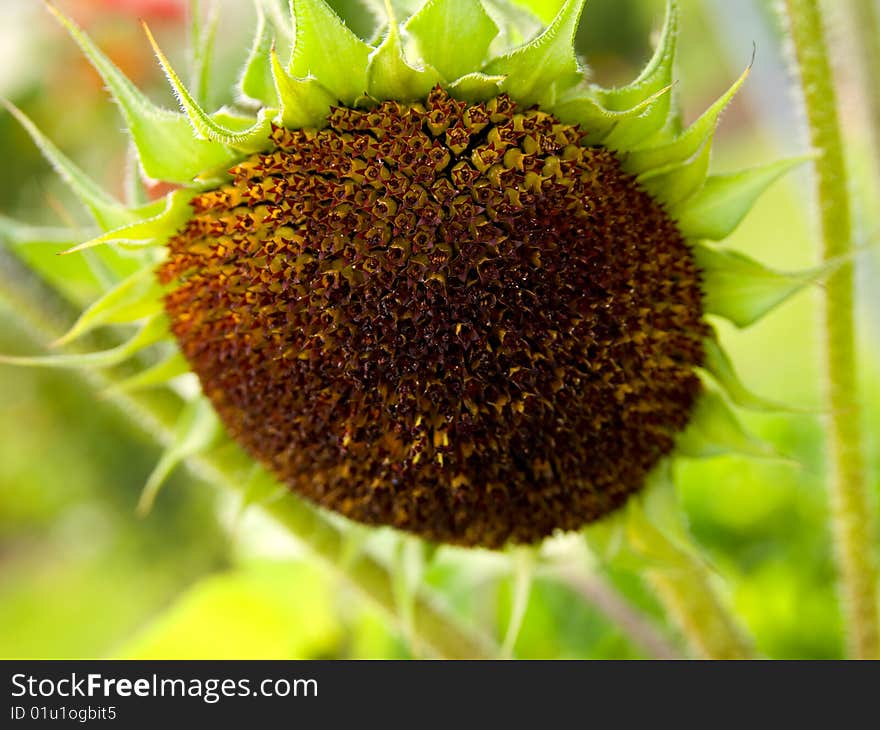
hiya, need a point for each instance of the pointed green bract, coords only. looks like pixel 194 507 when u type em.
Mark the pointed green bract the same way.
pixel 152 231
pixel 155 330
pixel 688 143
pixel 581 108
pixel 719 366
pixel 742 290
pixel 164 140
pixel 719 207
pixel 677 182
pixel 256 82
pixel 655 76
pixel 545 65
pixel 162 373
pixel 196 430
pixel 389 76
pixel 714 430
pixel 304 102
pixel 453 36
pixel 107 211
pixel 325 49
pixel 16 233
pixel 476 87
pixel 515 23
pixel 250 140
pixel 654 79
pixel 133 298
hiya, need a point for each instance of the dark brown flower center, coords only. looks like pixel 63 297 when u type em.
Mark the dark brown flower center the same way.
pixel 453 319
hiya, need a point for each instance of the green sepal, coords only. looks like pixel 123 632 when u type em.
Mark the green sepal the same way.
pixel 545 63
pixel 742 290
pixel 452 36
pixel 717 363
pixel 154 330
pixel 16 233
pixel 249 140
pixel 648 532
pixel 256 82
pixel 261 487
pixel 516 24
pixel 390 76
pixel 655 76
pixel 579 106
pixel 152 231
pixel 677 182
pixel 166 147
pixel 133 298
pixel 327 50
pixel 686 144
pixel 304 102
pixel 196 431
pixel 476 87
pixel 160 374
pixel 716 210
pixel 715 430
pixel 107 211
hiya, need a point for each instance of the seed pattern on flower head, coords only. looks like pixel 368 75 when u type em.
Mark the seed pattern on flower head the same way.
pixel 454 319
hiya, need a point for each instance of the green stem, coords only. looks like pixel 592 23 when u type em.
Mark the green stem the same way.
pixel 851 509
pixel 156 411
pixel 690 600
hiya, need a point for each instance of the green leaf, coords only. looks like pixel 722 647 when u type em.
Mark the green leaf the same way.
pixel 197 429
pixel 304 102
pixel 134 298
pixel 152 332
pixel 389 76
pixel 686 144
pixel 325 49
pixel 106 210
pixel 718 364
pixel 720 205
pixel 453 36
pixel 164 139
pixel 742 290
pixel 545 63
pixel 250 140
pixel 256 81
pixel 152 231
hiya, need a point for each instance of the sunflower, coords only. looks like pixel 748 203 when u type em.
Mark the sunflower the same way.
pixel 436 280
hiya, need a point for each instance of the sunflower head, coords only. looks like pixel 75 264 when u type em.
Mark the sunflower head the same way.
pixel 439 280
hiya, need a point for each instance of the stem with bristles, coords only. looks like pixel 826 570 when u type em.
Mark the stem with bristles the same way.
pixel 851 507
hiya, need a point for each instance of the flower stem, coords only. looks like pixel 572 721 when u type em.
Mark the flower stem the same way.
pixel 851 510
pixel 692 603
pixel 156 411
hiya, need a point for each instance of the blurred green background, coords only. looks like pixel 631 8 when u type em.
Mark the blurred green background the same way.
pixel 82 576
